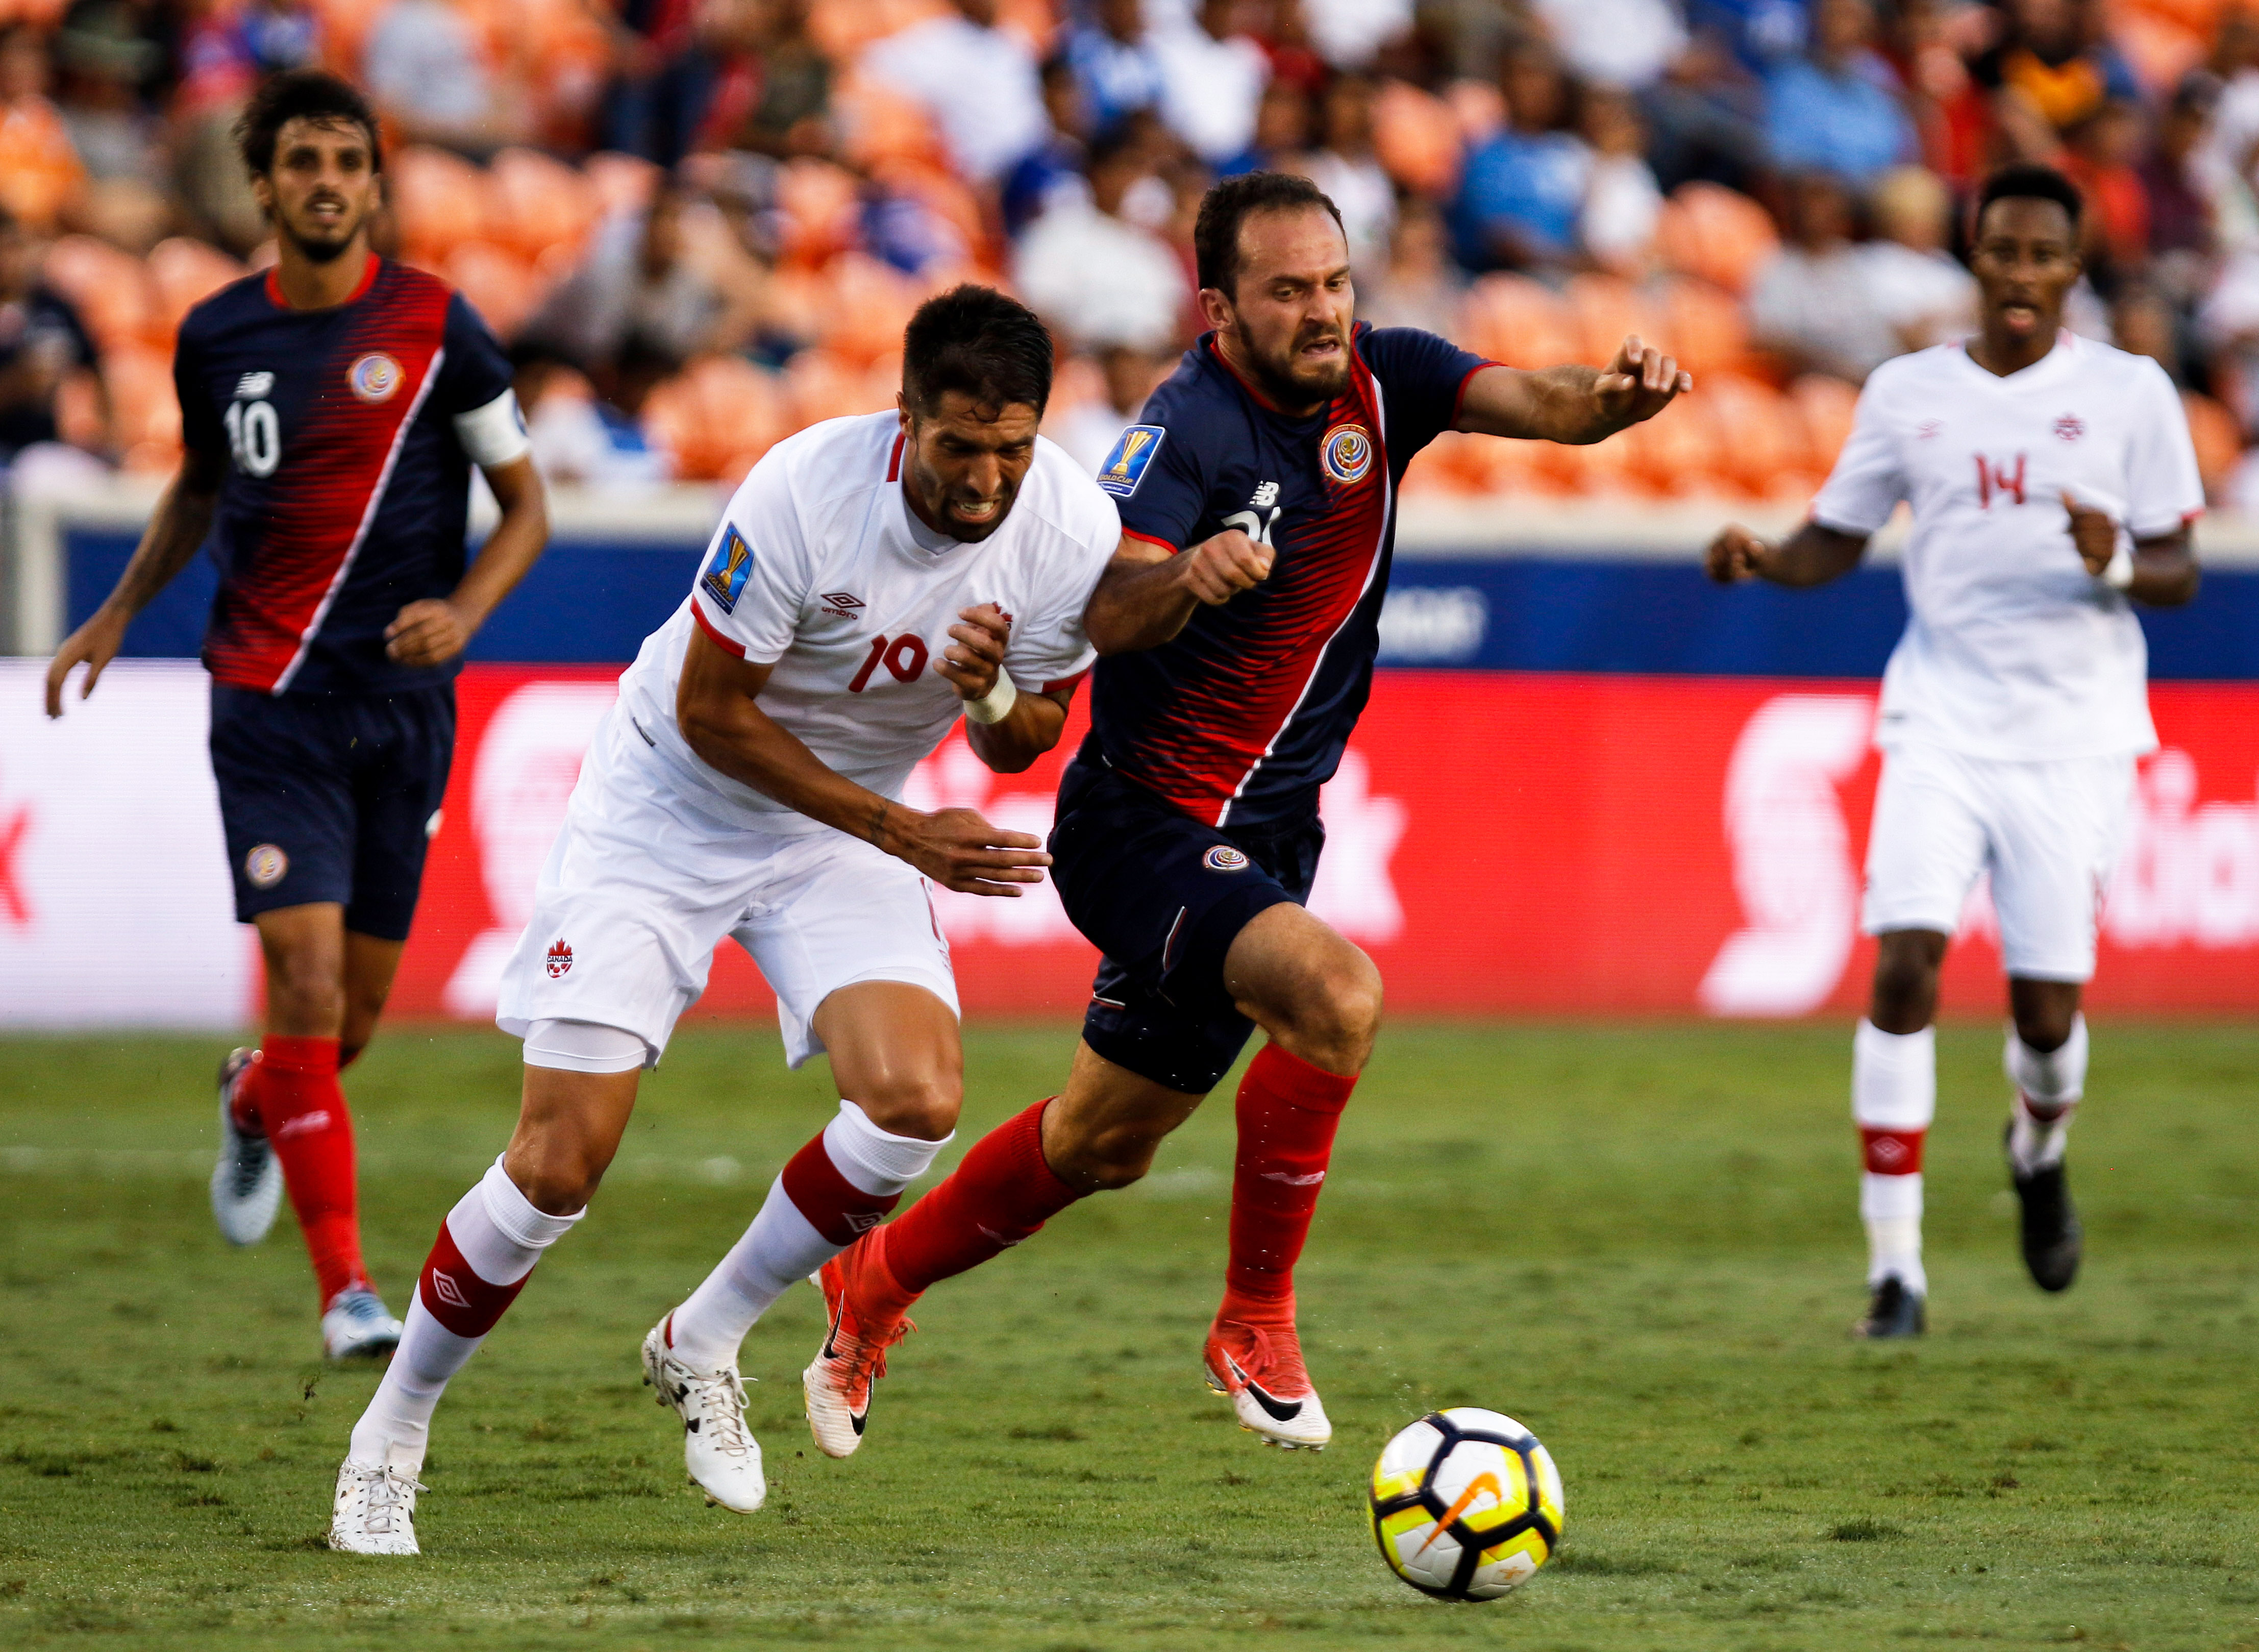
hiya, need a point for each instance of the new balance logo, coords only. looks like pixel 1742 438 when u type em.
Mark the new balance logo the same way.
pixel 444 1287
pixel 304 1124
pixel 253 386
pixel 1311 1180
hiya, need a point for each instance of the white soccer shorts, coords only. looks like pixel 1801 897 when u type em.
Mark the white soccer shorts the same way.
pixel 2048 832
pixel 640 887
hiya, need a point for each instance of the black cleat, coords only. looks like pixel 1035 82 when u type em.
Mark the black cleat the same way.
pixel 2053 1240
pixel 1895 1311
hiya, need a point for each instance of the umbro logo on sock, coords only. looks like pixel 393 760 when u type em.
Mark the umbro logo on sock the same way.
pixel 444 1287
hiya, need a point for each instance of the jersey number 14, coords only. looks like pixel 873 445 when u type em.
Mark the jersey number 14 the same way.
pixel 255 437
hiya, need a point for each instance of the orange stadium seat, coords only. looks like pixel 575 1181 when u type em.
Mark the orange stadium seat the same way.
pixel 819 384
pixel 1604 309
pixel 842 28
pixel 718 417
pixel 1766 452
pixel 109 288
pixel 440 200
pixel 1678 452
pixel 43 14
pixel 145 413
pixel 183 274
pixel 620 183
pixel 2158 49
pixel 820 201
pixel 1717 233
pixel 866 306
pixel 879 125
pixel 1416 137
pixel 346 27
pixel 2219 443
pixel 538 203
pixel 2198 17
pixel 1704 327
pixel 501 286
pixel 1827 406
pixel 1519 321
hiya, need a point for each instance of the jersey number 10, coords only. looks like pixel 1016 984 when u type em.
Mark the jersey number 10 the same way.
pixel 255 435
pixel 904 657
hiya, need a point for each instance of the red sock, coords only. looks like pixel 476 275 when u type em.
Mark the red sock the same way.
pixel 1000 1193
pixel 292 1093
pixel 1287 1113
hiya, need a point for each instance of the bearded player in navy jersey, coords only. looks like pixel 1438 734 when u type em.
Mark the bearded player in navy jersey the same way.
pixel 330 409
pixel 1238 625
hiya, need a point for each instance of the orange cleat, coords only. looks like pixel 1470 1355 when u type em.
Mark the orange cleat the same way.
pixel 1254 1357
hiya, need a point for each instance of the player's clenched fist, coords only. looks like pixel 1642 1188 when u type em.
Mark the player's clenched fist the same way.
pixel 1735 554
pixel 1218 569
pixel 959 851
pixel 2093 532
pixel 976 653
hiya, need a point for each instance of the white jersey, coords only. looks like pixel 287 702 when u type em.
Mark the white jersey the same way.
pixel 2013 649
pixel 819 569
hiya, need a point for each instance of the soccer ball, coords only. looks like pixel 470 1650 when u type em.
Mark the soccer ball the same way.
pixel 1467 1504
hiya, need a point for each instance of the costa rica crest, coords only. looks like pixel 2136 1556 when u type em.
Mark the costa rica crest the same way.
pixel 375 377
pixel 1346 452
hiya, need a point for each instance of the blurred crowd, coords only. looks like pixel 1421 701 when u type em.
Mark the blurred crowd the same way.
pixel 700 224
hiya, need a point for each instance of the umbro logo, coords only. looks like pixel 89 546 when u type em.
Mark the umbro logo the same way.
pixel 842 602
pixel 444 1287
pixel 253 386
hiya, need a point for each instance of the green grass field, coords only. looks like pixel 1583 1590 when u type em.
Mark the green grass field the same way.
pixel 1638 1239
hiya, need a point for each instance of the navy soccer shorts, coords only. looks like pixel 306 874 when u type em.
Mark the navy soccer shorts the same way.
pixel 1164 896
pixel 332 797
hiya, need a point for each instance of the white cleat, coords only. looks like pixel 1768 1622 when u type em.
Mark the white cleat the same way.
pixel 357 1325
pixel 723 1458
pixel 375 1512
pixel 1260 1366
pixel 247 1183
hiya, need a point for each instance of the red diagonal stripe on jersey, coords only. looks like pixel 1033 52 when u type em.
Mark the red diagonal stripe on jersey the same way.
pixel 1238 703
pixel 326 491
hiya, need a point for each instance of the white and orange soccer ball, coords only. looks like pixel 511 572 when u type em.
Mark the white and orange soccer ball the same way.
pixel 1467 1504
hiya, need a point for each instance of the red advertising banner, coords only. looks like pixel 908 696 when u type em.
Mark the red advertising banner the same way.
pixel 1499 842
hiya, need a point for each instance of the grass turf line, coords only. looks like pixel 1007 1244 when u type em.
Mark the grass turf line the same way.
pixel 1640 1240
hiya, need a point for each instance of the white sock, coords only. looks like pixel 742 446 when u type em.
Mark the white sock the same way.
pixel 783 1245
pixel 1893 1099
pixel 2048 1091
pixel 496 1236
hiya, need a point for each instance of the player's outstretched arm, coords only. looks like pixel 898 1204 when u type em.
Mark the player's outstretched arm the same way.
pixel 1007 727
pixel 433 631
pixel 1148 592
pixel 2161 571
pixel 1573 405
pixel 715 707
pixel 1812 555
pixel 175 535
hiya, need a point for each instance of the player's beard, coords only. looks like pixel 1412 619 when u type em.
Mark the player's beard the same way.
pixel 326 250
pixel 937 498
pixel 1291 381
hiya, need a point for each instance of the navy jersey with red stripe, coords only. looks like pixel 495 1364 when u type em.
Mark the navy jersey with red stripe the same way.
pixel 348 489
pixel 1242 716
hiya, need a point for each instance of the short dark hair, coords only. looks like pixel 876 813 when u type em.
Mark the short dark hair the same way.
pixel 2029 181
pixel 312 95
pixel 976 341
pixel 1216 236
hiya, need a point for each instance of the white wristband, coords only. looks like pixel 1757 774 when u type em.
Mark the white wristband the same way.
pixel 996 704
pixel 2118 574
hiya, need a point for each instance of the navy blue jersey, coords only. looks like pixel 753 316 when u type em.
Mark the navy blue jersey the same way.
pixel 1241 717
pixel 347 486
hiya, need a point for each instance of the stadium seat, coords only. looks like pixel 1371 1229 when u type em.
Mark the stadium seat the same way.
pixel 868 305
pixel 879 125
pixel 1416 137
pixel 440 200
pixel 1827 406
pixel 538 204
pixel 145 413
pixel 1717 233
pixel 1704 327
pixel 1678 453
pixel 2159 49
pixel 820 385
pixel 620 183
pixel 1764 451
pixel 183 274
pixel 842 28
pixel 501 285
pixel 109 288
pixel 2219 442
pixel 1603 310
pixel 1519 321
pixel 718 417
pixel 820 202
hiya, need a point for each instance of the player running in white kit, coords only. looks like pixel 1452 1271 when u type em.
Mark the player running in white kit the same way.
pixel 872 579
pixel 2052 479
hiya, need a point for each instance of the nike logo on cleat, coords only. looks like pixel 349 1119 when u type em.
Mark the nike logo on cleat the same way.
pixel 1277 1410
pixel 857 1421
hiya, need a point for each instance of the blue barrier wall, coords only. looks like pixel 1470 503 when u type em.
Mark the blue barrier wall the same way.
pixel 592 601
